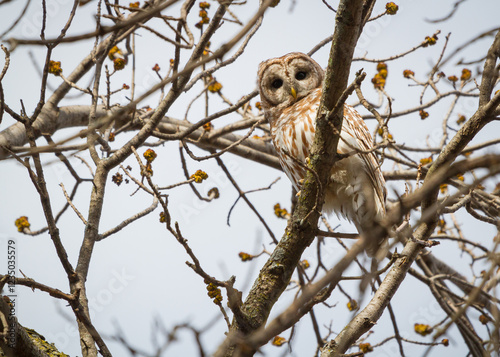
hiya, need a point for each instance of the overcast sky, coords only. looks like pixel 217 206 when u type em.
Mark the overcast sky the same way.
pixel 139 274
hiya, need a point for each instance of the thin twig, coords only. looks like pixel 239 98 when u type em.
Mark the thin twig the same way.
pixel 70 202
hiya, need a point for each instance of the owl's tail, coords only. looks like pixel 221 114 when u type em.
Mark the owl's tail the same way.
pixel 369 212
pixel 351 194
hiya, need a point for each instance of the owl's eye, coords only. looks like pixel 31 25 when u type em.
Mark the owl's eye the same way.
pixel 277 83
pixel 300 75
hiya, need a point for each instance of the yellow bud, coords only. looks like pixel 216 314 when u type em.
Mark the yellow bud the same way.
pixel 423 329
pixel 55 68
pixel 352 305
pixel 278 341
pixel 365 347
pixel 391 8
pixel 22 223
pixel 426 160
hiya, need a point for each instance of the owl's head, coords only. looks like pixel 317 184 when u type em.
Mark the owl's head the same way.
pixel 284 80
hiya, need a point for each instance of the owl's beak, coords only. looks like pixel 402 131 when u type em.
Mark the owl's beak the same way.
pixel 293 92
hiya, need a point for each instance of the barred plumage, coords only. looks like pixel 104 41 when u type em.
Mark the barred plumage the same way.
pixel 290 89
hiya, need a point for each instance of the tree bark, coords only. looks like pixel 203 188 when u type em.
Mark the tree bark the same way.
pixel 301 229
pixel 17 342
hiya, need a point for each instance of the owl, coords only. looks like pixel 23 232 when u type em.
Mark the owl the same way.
pixel 290 89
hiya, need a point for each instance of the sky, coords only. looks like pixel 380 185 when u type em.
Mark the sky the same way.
pixel 139 276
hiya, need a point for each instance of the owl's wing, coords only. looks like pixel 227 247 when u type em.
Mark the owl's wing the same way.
pixel 356 133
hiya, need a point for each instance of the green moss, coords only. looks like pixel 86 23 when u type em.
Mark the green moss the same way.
pixel 40 342
pixel 43 345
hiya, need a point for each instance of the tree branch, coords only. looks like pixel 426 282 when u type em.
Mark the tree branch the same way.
pixel 302 226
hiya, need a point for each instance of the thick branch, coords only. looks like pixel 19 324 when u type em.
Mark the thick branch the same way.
pixel 301 229
pixel 17 344
pixel 372 312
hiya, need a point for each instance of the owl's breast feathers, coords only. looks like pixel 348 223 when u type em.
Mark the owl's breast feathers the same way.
pixel 292 131
pixel 356 189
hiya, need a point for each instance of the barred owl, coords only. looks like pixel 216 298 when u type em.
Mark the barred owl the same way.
pixel 290 89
